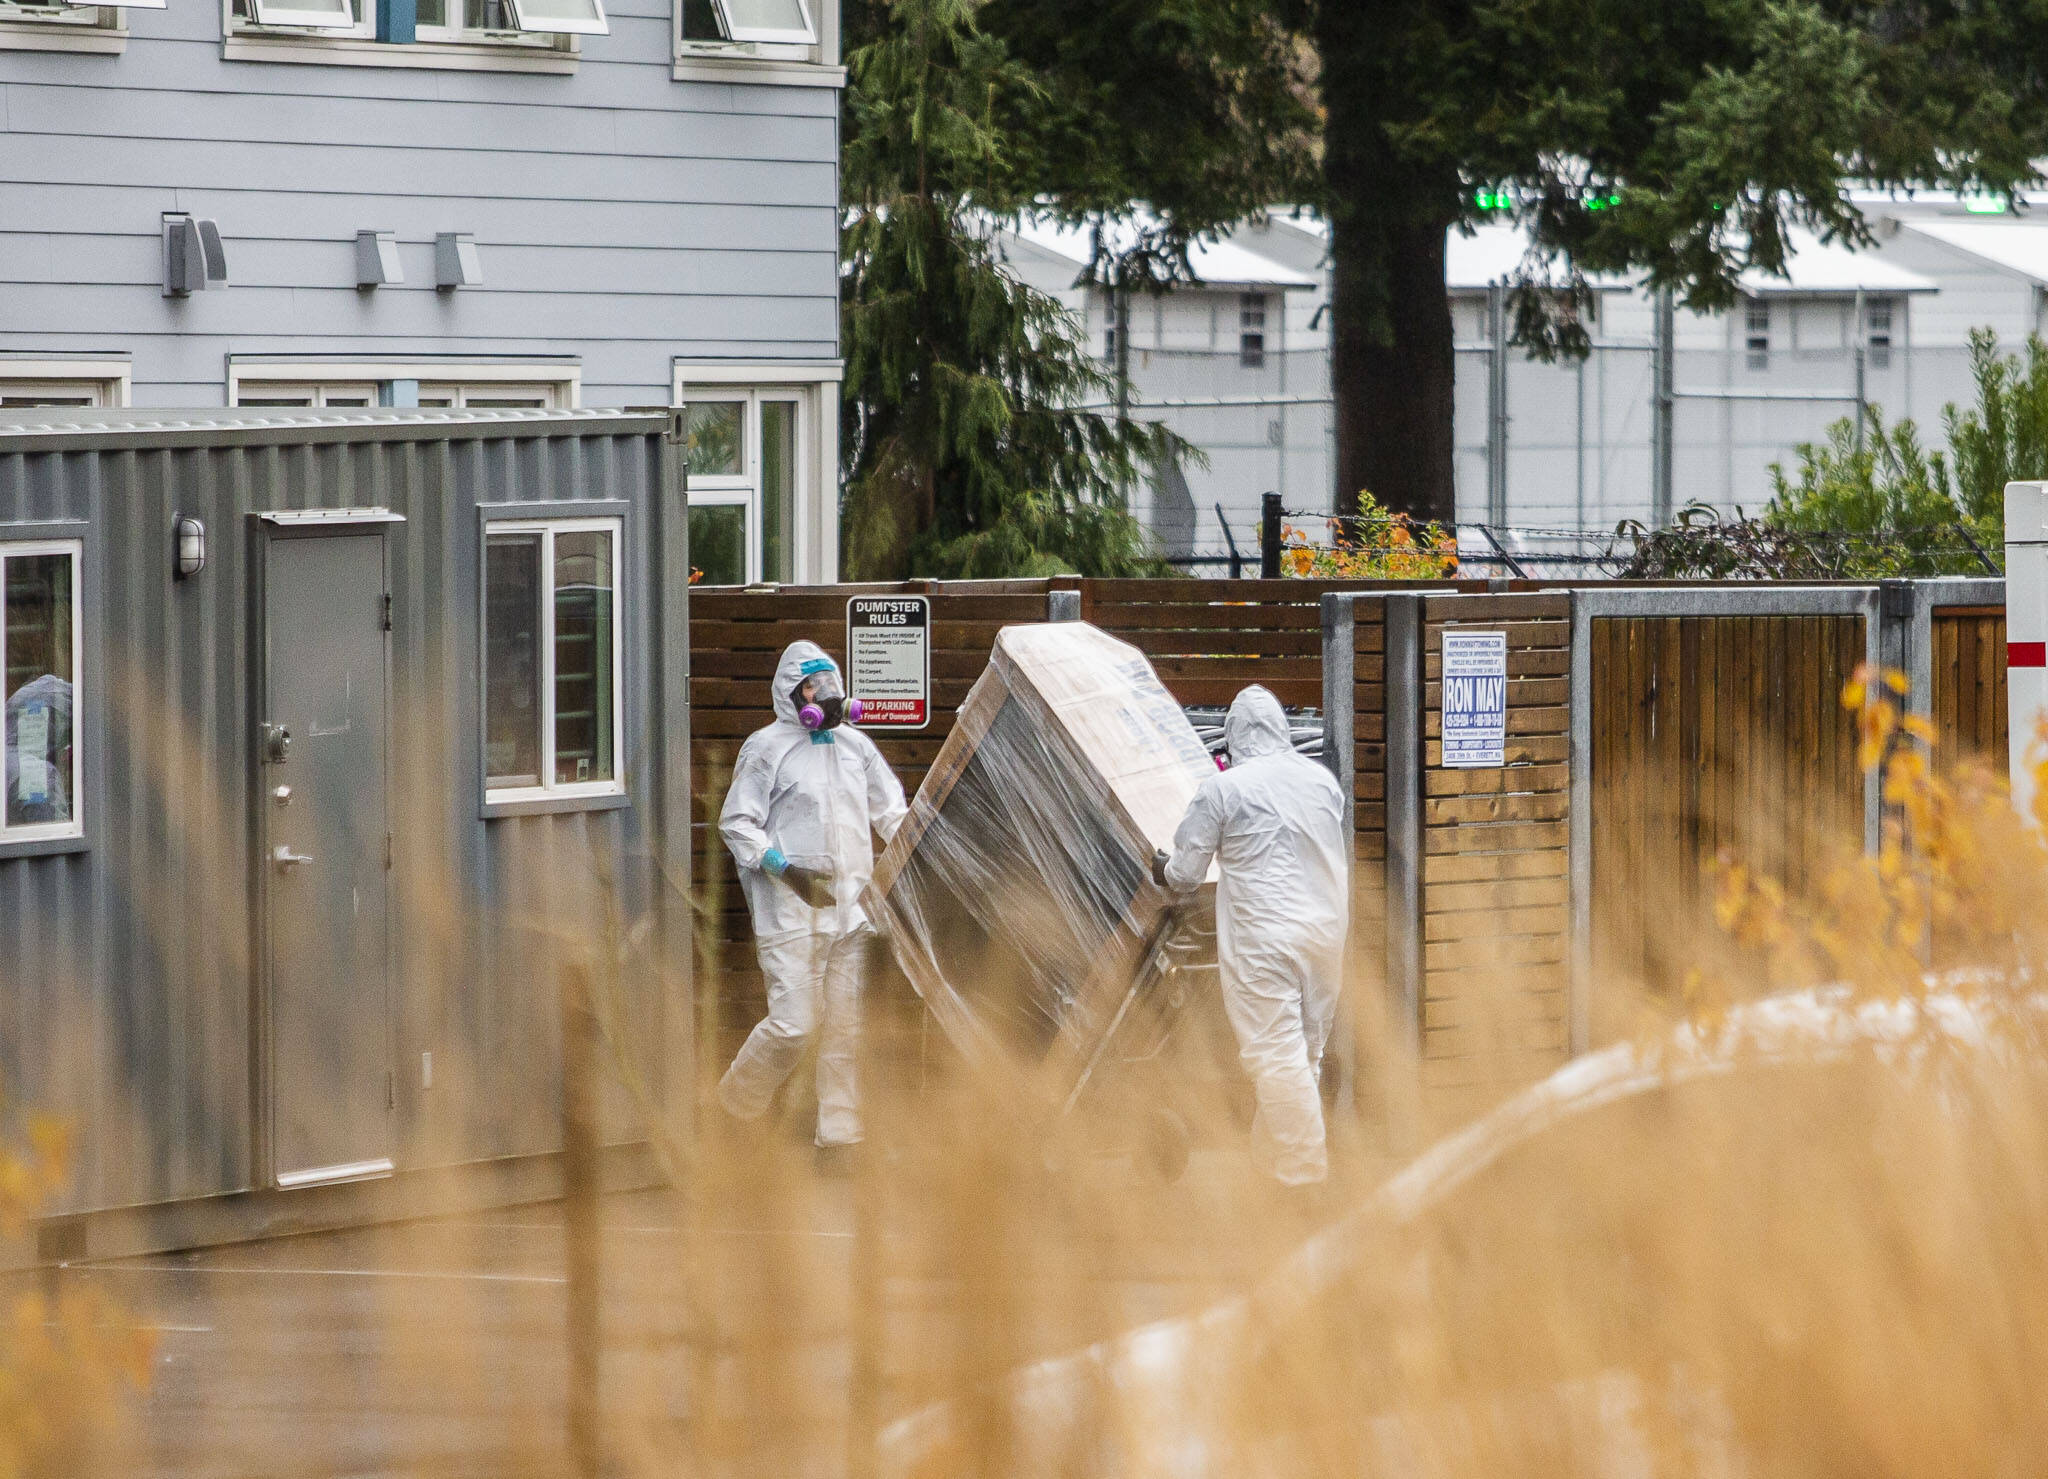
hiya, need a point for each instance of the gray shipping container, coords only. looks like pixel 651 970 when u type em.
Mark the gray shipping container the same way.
pixel 269 940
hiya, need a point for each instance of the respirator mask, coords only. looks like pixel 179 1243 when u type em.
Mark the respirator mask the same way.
pixel 827 706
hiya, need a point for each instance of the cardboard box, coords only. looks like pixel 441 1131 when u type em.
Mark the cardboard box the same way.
pixel 1018 895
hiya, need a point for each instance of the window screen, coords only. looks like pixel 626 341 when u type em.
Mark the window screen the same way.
pixel 40 647
pixel 512 660
pixel 583 657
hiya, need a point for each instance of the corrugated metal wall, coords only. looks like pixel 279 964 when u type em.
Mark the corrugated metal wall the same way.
pixel 126 983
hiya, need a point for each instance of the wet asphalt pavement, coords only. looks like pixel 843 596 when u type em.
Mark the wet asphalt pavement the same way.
pixel 436 1349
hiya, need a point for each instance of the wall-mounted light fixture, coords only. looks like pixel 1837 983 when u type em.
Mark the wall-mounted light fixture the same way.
pixel 456 264
pixel 377 259
pixel 188 540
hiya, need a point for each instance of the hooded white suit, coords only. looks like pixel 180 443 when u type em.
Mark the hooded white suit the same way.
pixel 810 799
pixel 1274 823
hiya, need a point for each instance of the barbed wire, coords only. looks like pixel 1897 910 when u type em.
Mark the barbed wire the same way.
pixel 1691 549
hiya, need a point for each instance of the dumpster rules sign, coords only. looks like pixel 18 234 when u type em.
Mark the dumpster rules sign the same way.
pixel 889 660
pixel 1475 687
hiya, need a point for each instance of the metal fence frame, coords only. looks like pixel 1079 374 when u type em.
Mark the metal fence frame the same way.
pixel 1908 621
pixel 1590 605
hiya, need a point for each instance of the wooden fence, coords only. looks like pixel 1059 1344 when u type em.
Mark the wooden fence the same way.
pixel 1711 737
pixel 735 638
pixel 1650 731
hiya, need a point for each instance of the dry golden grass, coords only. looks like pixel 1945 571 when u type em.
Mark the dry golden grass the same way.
pixel 1824 1260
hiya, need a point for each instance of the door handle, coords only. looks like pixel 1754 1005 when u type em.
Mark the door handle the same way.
pixel 284 857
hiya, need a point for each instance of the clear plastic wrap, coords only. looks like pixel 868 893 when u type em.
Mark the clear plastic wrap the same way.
pixel 1018 895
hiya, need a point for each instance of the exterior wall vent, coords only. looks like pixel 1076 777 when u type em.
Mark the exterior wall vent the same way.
pixel 377 259
pixel 194 258
pixel 456 264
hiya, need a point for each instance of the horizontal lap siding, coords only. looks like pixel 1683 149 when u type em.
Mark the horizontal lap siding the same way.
pixel 1495 900
pixel 1714 738
pixel 622 217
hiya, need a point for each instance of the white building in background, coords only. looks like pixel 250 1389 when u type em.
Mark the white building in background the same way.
pixel 1238 364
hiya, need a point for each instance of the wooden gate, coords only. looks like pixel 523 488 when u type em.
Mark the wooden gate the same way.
pixel 1714 734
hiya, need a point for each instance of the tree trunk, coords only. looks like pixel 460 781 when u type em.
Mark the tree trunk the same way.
pixel 1391 360
pixel 1391 367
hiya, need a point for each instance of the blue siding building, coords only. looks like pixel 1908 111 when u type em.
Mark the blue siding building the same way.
pixel 457 203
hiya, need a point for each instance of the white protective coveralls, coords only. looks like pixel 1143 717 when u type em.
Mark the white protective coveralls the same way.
pixel 1274 822
pixel 810 799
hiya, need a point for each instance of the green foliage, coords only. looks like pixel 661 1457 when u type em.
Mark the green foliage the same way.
pixel 1927 506
pixel 1164 118
pixel 1688 138
pixel 966 443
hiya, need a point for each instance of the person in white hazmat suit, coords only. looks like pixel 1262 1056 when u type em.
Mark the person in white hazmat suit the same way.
pixel 807 793
pixel 1274 823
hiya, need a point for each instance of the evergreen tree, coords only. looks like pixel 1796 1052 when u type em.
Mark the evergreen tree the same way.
pixel 967 448
pixel 1681 137
pixel 1934 512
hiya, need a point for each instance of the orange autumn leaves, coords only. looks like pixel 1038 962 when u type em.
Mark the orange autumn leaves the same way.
pixel 1958 878
pixel 1373 544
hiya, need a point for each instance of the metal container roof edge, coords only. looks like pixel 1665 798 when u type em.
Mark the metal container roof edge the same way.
pixel 69 429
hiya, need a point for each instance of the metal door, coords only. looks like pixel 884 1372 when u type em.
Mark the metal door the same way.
pixel 324 854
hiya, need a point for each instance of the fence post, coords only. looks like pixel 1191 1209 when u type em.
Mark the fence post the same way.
pixel 1062 605
pixel 1579 831
pixel 1663 398
pixel 1404 803
pixel 1496 405
pixel 1872 599
pixel 582 1252
pixel 1269 536
pixel 1340 699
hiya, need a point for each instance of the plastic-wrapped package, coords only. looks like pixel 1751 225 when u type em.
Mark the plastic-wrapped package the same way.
pixel 1018 895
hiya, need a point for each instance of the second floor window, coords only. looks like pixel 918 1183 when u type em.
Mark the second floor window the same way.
pixel 432 20
pixel 1251 330
pixel 1756 340
pixel 783 22
pixel 1877 332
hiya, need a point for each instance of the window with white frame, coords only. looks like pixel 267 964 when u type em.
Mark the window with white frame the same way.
pixel 30 22
pixel 554 709
pixel 1877 332
pixel 489 22
pixel 25 383
pixel 445 394
pixel 1756 340
pixel 302 394
pixel 39 673
pixel 746 455
pixel 773 22
pixel 1251 330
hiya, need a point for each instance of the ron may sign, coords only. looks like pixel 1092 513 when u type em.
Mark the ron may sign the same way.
pixel 889 660
pixel 1475 679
